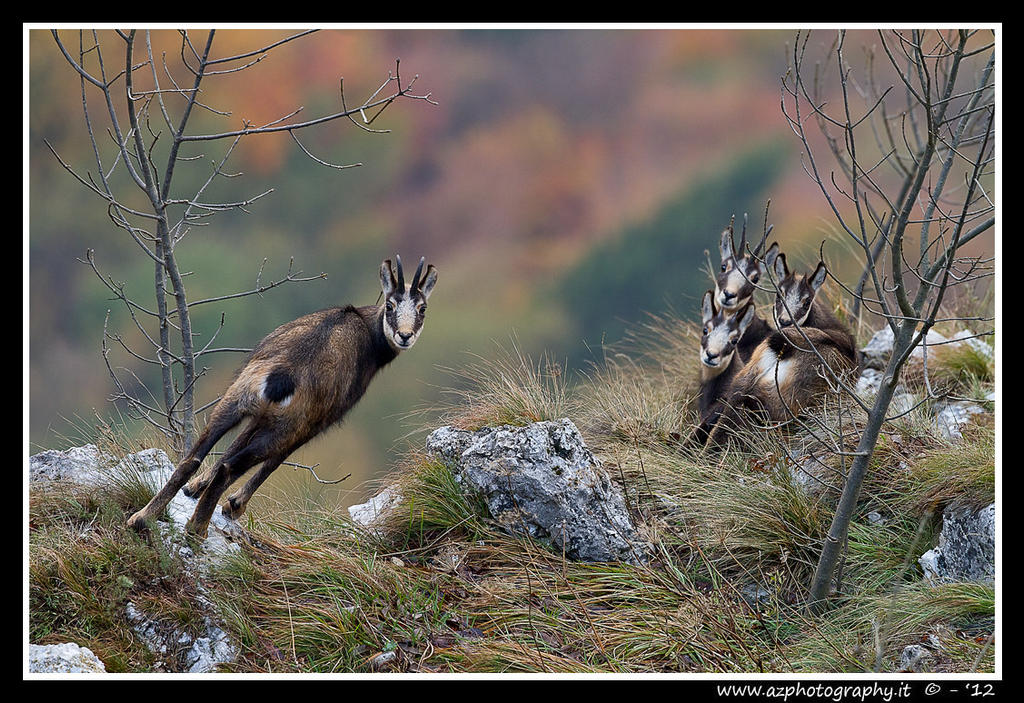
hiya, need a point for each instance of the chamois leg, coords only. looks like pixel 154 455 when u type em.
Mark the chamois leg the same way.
pixel 700 434
pixel 239 500
pixel 244 453
pixel 216 429
pixel 225 473
pixel 739 411
pixel 221 422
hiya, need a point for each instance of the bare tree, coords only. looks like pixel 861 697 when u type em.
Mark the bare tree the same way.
pixel 159 221
pixel 911 140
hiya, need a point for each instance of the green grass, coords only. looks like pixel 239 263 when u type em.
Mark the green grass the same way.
pixel 84 568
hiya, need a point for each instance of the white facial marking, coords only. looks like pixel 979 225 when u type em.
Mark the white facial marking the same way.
pixel 285 402
pixel 795 305
pixel 405 333
pixel 717 343
pixel 735 281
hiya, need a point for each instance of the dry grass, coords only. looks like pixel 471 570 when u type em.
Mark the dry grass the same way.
pixel 439 587
pixel 509 389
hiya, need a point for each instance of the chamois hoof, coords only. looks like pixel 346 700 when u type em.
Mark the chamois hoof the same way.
pixel 138 522
pixel 198 532
pixel 193 490
pixel 233 509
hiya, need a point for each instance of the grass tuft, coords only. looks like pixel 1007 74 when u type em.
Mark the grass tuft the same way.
pixel 510 389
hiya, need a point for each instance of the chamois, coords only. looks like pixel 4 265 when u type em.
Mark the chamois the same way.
pixel 719 360
pixel 737 279
pixel 299 380
pixel 785 372
pixel 797 303
pixel 784 375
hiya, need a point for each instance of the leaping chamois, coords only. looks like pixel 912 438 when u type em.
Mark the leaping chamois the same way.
pixel 737 280
pixel 299 380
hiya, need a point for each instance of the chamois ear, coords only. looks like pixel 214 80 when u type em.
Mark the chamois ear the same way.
pixel 707 307
pixel 781 270
pixel 428 281
pixel 725 245
pixel 387 278
pixel 746 317
pixel 818 277
pixel 769 257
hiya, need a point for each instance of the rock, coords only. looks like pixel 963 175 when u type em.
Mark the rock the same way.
pixel 950 417
pixel 902 402
pixel 870 381
pixel 966 549
pixel 194 654
pixel 875 354
pixel 976 343
pixel 450 442
pixel 914 657
pixel 67 658
pixel 373 512
pixel 875 518
pixel 87 466
pixel 755 595
pixel 933 341
pixel 80 465
pixel 381 660
pixel 543 481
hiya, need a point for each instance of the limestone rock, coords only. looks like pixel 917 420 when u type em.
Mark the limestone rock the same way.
pixel 543 481
pixel 966 549
pixel 194 654
pixel 950 417
pixel 66 658
pixel 88 466
pixel 372 512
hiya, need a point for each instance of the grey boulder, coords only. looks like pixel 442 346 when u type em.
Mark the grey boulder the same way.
pixel 541 480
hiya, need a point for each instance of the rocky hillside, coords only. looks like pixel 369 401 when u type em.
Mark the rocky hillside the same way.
pixel 551 527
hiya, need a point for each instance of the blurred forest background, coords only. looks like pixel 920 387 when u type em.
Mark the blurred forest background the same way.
pixel 566 183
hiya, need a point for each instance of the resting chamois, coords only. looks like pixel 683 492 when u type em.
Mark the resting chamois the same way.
pixel 736 281
pixel 797 303
pixel 719 360
pixel 786 372
pixel 299 380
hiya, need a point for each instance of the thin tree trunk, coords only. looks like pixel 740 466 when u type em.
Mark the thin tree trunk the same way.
pixel 836 537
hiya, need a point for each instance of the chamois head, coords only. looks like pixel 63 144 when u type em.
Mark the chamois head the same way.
pixel 721 332
pixel 405 306
pixel 740 270
pixel 796 292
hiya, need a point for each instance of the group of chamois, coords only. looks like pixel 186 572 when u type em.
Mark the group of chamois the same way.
pixel 308 373
pixel 751 371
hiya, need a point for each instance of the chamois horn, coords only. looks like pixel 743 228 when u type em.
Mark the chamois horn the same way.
pixel 416 277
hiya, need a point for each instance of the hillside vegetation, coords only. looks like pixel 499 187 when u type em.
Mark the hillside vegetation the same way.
pixel 439 588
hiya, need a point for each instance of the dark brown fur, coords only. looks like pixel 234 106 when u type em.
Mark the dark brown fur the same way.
pixel 819 314
pixel 299 380
pixel 783 377
pixel 722 335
